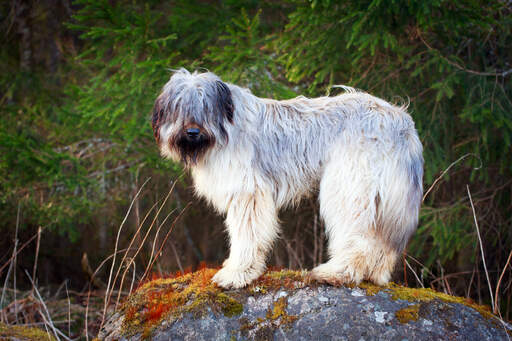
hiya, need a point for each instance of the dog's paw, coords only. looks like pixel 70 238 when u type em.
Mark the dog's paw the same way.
pixel 231 278
pixel 334 275
pixel 381 278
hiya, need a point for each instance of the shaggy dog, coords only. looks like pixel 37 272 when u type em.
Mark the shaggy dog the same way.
pixel 250 156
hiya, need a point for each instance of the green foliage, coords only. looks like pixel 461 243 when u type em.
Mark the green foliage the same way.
pixel 244 56
pixel 129 49
pixel 444 233
pixel 34 168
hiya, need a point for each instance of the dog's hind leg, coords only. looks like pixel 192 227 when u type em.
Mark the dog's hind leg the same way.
pixel 364 242
pixel 252 226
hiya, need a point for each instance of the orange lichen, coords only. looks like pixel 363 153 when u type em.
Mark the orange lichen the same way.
pixel 174 295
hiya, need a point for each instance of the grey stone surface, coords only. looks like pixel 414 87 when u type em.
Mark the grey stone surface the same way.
pixel 327 313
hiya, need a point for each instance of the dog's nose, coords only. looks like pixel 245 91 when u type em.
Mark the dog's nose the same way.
pixel 192 133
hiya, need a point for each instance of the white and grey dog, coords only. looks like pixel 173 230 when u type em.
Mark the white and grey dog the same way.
pixel 250 156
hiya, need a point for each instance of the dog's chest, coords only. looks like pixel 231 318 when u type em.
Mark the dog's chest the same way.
pixel 222 179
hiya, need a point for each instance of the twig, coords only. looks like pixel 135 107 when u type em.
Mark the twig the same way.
pixel 137 233
pixel 69 309
pixel 37 256
pixel 17 252
pixel 420 264
pixel 4 316
pixel 447 169
pixel 107 292
pixel 121 285
pixel 89 290
pixel 186 231
pixel 455 274
pixel 33 324
pixel 481 246
pixel 495 307
pixel 151 226
pixel 478 73
pixel 48 320
pixel 177 257
pixel 45 327
pixel 470 282
pixel 414 272
pixel 156 236
pixel 293 253
pixel 129 248
pixel 443 281
pixel 405 271
pixel 86 268
pixel 15 262
pixel 165 240
pixel 12 264
pixel 133 279
pixel 147 233
pixel 57 292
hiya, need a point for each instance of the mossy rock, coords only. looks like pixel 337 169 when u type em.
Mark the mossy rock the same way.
pixel 282 305
pixel 8 332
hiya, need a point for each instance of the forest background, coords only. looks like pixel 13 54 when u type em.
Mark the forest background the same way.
pixel 79 80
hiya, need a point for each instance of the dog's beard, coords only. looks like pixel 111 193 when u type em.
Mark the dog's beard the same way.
pixel 191 151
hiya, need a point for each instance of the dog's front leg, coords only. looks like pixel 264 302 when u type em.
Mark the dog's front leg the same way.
pixel 251 222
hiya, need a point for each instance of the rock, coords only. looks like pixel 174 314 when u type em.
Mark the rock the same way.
pixel 281 306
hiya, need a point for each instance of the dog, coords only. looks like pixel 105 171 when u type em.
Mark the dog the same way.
pixel 251 156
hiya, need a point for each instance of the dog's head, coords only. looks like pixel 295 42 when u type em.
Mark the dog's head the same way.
pixel 191 114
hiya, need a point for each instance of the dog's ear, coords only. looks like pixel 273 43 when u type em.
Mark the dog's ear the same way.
pixel 158 113
pixel 225 100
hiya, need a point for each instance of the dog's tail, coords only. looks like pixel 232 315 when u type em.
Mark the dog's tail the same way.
pixel 400 193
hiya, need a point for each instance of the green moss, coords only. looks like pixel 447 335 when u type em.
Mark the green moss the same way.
pixel 230 307
pixel 23 333
pixel 371 289
pixel 286 274
pixel 399 292
pixel 414 294
pixel 427 295
pixel 407 314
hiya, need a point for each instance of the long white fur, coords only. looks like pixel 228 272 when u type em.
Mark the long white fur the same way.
pixel 362 153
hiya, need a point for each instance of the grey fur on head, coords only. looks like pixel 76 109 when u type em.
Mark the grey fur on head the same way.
pixel 250 156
